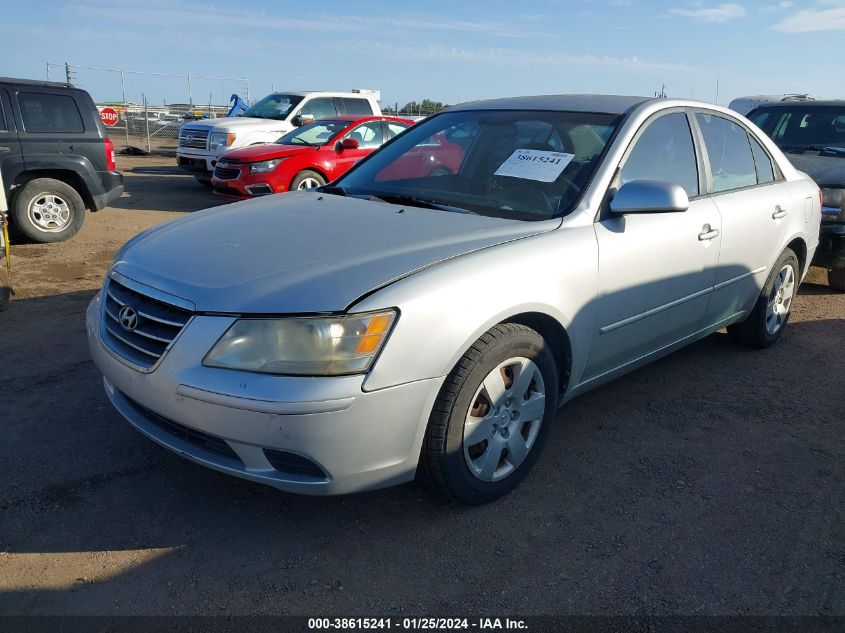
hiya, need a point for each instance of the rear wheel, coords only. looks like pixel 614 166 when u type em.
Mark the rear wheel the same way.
pixel 490 419
pixel 307 179
pixel 48 210
pixel 770 314
pixel 836 279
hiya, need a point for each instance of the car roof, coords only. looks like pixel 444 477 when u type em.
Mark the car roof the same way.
pixel 333 93
pixel 606 104
pixel 803 104
pixel 356 118
pixel 36 82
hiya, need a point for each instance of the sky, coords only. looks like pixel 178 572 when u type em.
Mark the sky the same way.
pixel 446 50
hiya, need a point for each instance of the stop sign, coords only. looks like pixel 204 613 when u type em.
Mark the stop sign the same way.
pixel 109 116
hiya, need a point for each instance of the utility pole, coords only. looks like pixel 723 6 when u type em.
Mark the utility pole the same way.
pixel 68 73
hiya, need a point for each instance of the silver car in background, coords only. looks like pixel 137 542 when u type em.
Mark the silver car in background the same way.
pixel 411 321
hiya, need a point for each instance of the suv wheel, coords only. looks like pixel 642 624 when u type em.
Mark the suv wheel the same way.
pixel 836 279
pixel 48 210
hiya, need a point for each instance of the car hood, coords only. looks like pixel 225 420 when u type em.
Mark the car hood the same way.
pixel 234 123
pixel 827 171
pixel 302 252
pixel 266 151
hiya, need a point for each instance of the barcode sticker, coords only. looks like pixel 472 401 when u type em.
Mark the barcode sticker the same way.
pixel 535 164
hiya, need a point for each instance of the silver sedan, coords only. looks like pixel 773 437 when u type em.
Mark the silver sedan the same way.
pixel 427 314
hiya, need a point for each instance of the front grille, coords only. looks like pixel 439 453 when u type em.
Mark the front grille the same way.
pixel 226 172
pixel 196 137
pixel 206 442
pixel 143 339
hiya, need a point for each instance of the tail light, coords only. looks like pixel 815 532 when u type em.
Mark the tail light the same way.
pixel 108 146
pixel 821 198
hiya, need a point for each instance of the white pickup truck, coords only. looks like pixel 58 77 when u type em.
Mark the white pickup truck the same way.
pixel 202 142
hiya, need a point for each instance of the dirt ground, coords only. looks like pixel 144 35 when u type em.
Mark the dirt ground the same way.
pixel 710 482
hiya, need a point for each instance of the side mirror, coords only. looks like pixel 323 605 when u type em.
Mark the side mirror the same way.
pixel 649 196
pixel 348 143
pixel 302 119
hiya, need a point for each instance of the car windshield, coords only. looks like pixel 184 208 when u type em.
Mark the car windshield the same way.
pixel 274 106
pixel 521 165
pixel 314 134
pixel 803 126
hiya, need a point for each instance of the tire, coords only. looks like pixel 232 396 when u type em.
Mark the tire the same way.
pixel 205 182
pixel 836 279
pixel 48 210
pixel 306 179
pixel 769 317
pixel 463 456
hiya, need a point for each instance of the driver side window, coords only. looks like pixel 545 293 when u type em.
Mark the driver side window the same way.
pixel 664 152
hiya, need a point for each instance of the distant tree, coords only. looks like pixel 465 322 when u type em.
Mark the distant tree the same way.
pixel 422 108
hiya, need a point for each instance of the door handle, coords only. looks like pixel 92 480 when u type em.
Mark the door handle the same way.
pixel 707 233
pixel 4 148
pixel 780 212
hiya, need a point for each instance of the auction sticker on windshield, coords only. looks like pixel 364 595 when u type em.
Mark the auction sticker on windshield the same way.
pixel 534 164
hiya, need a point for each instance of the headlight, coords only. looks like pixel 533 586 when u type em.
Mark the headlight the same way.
pixel 219 140
pixel 303 346
pixel 264 166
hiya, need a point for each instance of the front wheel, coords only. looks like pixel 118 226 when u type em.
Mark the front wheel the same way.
pixel 307 179
pixel 490 419
pixel 48 210
pixel 767 320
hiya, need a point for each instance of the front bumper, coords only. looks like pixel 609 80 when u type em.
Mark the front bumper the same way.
pixel 196 161
pixel 226 419
pixel 831 250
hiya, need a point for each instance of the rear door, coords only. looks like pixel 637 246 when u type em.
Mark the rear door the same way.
pixel 656 270
pixel 11 160
pixel 754 203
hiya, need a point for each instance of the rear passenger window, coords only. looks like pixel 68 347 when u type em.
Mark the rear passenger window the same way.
pixel 395 128
pixel 664 152
pixel 45 113
pixel 765 170
pixel 729 152
pixel 356 106
pixel 3 127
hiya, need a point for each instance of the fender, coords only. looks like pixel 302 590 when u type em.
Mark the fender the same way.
pixel 78 165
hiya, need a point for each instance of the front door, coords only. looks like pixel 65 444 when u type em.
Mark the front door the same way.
pixel 11 160
pixel 656 270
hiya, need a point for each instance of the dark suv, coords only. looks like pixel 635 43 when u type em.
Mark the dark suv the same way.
pixel 55 158
pixel 812 135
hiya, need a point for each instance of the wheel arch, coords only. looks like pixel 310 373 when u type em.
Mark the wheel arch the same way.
pixel 68 177
pixel 799 247
pixel 555 334
pixel 313 168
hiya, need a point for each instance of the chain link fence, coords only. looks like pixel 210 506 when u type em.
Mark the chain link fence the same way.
pixel 150 108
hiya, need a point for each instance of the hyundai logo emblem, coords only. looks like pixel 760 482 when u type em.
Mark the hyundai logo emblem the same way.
pixel 128 318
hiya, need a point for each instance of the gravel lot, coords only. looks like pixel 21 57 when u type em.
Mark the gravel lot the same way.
pixel 710 482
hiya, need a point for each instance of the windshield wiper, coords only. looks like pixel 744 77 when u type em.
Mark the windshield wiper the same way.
pixel 840 151
pixel 333 190
pixel 413 201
